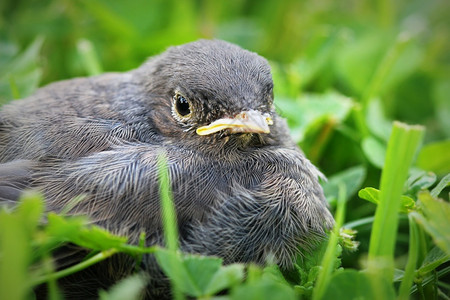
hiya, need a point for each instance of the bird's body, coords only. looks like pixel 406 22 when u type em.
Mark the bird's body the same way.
pixel 241 187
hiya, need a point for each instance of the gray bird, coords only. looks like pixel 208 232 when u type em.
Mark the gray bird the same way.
pixel 242 189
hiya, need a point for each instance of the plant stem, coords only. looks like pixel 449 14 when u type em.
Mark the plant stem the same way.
pixel 329 256
pixel 324 136
pixel 76 268
pixel 413 254
pixel 359 222
pixel 139 256
pixel 420 289
pixel 52 286
pixel 423 245
pixel 424 281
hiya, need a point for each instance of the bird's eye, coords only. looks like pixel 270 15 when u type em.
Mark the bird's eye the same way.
pixel 181 106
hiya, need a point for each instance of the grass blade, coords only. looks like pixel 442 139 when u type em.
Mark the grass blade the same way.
pixel 402 146
pixel 329 256
pixel 89 57
pixel 169 219
pixel 167 206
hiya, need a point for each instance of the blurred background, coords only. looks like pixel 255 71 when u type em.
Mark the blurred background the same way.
pixel 343 70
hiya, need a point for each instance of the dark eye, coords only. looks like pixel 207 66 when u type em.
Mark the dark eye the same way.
pixel 182 105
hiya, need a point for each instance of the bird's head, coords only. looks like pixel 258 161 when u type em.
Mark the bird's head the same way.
pixel 209 90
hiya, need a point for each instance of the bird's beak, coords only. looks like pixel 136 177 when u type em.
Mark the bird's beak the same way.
pixel 250 121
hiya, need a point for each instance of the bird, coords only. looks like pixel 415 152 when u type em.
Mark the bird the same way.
pixel 242 188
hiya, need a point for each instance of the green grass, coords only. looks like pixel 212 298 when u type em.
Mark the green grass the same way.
pixel 328 260
pixel 401 148
pixel 344 72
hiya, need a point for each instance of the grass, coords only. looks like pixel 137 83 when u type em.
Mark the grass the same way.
pixel 403 145
pixel 329 258
pixel 344 72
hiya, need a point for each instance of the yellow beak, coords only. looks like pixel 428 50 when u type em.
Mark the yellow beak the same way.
pixel 250 121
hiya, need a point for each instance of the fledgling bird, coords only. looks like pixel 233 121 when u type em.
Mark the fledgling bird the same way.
pixel 242 189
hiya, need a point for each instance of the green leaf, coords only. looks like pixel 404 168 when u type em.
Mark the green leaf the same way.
pixel 198 276
pixel 435 157
pixel 352 178
pixel 15 254
pixel 373 195
pixel 26 60
pixel 441 185
pixel 18 228
pixel 400 61
pixel 264 289
pixel 308 267
pixel 316 57
pixel 254 273
pixel 112 22
pixel 30 210
pixel 351 284
pixel 434 259
pixel 75 230
pixel 172 264
pixel 303 113
pixel 374 150
pixel 16 231
pixel 20 74
pixel 201 269
pixel 398 275
pixel 419 180
pixel 225 277
pixel 100 239
pixel 273 273
pixel 307 261
pixel 435 219
pixel 131 288
pixel 192 274
pixel 378 124
pixel 370 194
pixel 377 61
pixel 357 60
